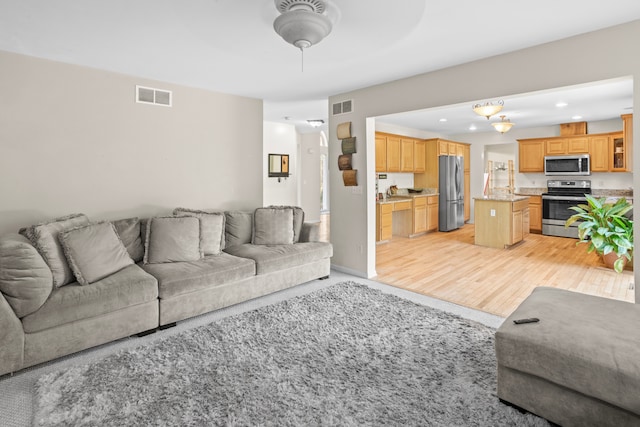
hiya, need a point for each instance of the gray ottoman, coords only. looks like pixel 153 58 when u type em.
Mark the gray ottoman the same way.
pixel 578 366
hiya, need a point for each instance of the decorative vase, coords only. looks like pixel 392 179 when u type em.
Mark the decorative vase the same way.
pixel 611 258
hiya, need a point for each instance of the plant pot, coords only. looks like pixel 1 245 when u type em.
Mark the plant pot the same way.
pixel 610 258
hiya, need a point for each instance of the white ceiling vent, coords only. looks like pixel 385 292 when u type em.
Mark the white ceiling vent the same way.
pixel 149 95
pixel 343 107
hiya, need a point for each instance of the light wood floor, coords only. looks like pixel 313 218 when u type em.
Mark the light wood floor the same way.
pixel 450 267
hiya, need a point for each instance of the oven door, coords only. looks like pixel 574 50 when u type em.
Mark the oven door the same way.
pixel 555 212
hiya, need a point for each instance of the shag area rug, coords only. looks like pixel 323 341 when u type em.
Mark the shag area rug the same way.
pixel 343 355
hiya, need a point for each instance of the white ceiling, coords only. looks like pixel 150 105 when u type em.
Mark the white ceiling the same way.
pixel 230 46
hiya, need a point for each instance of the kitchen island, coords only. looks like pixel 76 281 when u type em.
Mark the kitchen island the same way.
pixel 501 221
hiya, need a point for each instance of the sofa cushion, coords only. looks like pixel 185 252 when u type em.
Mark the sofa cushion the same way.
pixel 94 251
pixel 238 228
pixel 25 279
pixel 128 287
pixel 298 220
pixel 211 229
pixel 183 277
pixel 270 258
pixel 129 231
pixel 44 237
pixel 273 226
pixel 582 342
pixel 172 239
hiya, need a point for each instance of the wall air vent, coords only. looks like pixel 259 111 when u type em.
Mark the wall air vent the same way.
pixel 149 95
pixel 343 107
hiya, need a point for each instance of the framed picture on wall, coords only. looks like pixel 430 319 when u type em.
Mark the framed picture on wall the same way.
pixel 278 165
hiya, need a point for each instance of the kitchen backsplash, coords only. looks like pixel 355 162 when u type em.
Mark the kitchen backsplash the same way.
pixel 400 180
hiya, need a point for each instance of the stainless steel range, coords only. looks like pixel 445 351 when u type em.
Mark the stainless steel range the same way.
pixel 560 196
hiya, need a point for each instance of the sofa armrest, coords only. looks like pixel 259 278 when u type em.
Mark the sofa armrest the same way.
pixel 11 339
pixel 310 232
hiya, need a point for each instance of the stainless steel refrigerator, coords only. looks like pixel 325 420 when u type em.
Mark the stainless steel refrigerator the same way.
pixel 451 189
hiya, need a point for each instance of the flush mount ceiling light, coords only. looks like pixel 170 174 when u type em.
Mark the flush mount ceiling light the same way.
pixel 504 125
pixel 302 23
pixel 316 123
pixel 488 109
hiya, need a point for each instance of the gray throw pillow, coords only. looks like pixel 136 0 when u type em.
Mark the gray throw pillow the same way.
pixel 172 239
pixel 25 279
pixel 298 220
pixel 211 229
pixel 44 237
pixel 273 226
pixel 238 228
pixel 94 252
pixel 129 232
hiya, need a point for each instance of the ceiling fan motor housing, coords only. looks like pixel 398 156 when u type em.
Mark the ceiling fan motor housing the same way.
pixel 302 22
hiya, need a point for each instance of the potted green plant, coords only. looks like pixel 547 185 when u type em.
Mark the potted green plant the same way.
pixel 606 228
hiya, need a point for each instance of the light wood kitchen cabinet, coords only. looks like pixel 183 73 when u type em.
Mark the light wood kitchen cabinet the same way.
pixel 555 147
pixel 432 213
pixel 599 153
pixel 627 135
pixel 381 153
pixel 569 145
pixel 526 222
pixel 419 215
pixel 467 158
pixel 501 222
pixel 467 196
pixel 443 147
pixel 617 153
pixel 406 155
pixel 393 154
pixel 531 155
pixel 384 221
pixel 609 152
pixel 535 214
pixel 578 145
pixel 419 158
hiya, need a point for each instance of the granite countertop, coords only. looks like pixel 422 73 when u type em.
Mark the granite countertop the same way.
pixel 503 198
pixel 404 197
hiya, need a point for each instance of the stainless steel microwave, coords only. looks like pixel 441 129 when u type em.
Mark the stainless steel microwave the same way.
pixel 577 164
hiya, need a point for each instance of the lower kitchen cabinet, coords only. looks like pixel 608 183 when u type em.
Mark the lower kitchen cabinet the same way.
pixel 384 221
pixel 501 222
pixel 432 213
pixel 419 215
pixel 535 214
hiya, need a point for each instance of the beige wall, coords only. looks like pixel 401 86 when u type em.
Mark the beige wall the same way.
pixel 586 58
pixel 73 139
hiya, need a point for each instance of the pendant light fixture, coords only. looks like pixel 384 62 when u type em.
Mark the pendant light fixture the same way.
pixel 302 23
pixel 488 109
pixel 504 125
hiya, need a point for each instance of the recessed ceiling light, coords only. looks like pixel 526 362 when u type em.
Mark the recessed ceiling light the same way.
pixel 443 120
pixel 561 104
pixel 576 117
pixel 472 127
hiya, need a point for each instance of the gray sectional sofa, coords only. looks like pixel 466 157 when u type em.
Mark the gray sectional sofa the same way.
pixel 71 284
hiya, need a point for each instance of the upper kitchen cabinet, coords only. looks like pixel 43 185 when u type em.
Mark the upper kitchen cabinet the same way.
pixel 419 156
pixel 381 153
pixel 570 145
pixel 617 153
pixel 531 155
pixel 395 153
pixel 627 143
pixel 599 153
pixel 406 155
